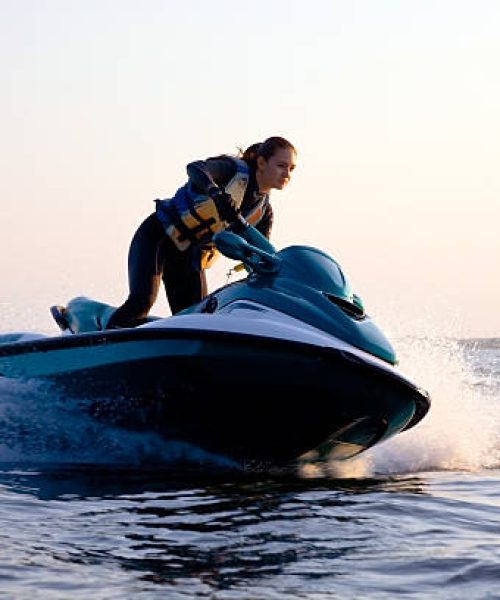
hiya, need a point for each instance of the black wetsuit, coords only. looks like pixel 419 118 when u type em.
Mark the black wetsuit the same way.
pixel 153 256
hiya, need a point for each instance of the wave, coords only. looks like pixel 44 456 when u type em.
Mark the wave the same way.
pixel 39 426
pixel 462 428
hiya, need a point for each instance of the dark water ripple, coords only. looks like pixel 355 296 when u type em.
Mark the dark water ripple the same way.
pixel 83 532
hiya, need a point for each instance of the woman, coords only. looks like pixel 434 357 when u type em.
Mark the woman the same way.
pixel 175 242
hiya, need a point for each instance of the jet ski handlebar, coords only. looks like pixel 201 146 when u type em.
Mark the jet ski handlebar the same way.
pixel 260 258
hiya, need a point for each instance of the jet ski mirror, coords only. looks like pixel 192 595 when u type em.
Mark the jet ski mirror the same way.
pixel 255 259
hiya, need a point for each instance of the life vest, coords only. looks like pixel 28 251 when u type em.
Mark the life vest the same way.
pixel 192 218
pixel 255 214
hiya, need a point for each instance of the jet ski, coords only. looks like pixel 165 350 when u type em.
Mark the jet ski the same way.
pixel 279 366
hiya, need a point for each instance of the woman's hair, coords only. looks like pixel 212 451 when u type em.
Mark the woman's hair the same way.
pixel 265 149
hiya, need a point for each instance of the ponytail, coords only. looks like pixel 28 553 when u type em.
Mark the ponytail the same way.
pixel 265 149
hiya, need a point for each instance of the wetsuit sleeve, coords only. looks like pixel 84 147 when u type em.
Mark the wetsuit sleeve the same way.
pixel 204 174
pixel 266 223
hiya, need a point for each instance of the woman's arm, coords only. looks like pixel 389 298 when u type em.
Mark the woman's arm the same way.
pixel 213 172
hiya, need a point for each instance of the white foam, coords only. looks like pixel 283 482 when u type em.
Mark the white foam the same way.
pixel 461 430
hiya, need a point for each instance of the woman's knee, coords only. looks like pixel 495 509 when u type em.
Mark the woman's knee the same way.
pixel 140 305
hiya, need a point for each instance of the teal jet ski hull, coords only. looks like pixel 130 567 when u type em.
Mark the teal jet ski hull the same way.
pixel 282 364
pixel 247 397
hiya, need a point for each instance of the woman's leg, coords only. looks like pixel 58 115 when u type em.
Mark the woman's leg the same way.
pixel 185 283
pixel 145 262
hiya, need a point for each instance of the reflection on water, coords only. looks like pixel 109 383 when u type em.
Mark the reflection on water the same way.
pixel 81 482
pixel 205 529
pixel 225 536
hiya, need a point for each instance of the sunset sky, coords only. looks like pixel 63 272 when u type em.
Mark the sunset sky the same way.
pixel 394 107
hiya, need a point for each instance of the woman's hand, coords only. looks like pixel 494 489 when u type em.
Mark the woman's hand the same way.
pixel 225 204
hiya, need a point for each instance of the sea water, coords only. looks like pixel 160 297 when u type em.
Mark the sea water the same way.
pixel 88 511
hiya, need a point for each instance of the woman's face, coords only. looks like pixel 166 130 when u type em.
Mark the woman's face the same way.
pixel 275 173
